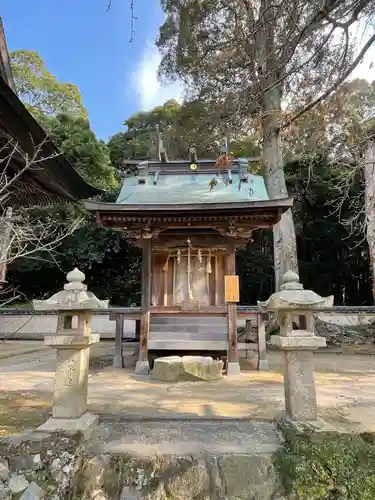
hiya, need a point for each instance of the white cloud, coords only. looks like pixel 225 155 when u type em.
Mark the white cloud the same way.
pixel 144 81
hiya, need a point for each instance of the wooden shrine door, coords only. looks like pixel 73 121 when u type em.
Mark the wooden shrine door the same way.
pixel 170 280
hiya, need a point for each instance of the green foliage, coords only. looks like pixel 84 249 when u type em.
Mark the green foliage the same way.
pixel 139 138
pixel 331 468
pixel 332 260
pixel 181 127
pixel 111 265
pixel 78 143
pixel 40 90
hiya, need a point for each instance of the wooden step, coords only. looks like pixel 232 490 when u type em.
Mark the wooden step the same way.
pixel 189 327
pixel 187 336
pixel 173 320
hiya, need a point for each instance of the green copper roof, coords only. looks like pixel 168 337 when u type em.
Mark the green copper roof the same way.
pixel 191 189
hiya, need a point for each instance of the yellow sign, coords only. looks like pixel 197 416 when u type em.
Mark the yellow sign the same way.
pixel 232 288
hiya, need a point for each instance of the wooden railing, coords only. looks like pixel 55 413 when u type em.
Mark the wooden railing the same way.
pixel 250 314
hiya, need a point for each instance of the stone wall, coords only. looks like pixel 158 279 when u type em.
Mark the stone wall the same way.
pixel 339 334
pixel 36 466
pixel 26 327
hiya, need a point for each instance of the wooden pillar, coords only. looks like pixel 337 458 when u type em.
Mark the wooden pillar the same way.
pixel 118 359
pixel 249 331
pixel 233 365
pixel 142 366
pixel 137 330
pixel 262 353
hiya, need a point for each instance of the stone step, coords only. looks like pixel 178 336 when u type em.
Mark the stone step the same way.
pixel 184 437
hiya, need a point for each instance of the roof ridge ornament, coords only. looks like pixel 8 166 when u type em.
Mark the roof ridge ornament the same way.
pixel 243 164
pixel 142 172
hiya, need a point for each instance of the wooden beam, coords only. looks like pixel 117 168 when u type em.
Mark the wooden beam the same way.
pixel 137 329
pixel 262 353
pixel 233 366
pixel 142 364
pixel 118 359
pixel 216 281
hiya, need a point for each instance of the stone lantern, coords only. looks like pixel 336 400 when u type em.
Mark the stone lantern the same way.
pixel 293 306
pixel 72 342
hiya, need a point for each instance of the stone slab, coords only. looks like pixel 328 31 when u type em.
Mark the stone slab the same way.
pixel 174 368
pixel 71 341
pixel 184 437
pixel 248 476
pixel 33 492
pixel 307 343
pixel 85 424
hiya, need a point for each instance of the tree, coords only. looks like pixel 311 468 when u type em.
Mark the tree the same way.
pixel 27 231
pixel 39 89
pixel 139 138
pixel 78 143
pixel 181 126
pixel 335 124
pixel 244 55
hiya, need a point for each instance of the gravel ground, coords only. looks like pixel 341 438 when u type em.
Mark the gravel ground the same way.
pixel 345 391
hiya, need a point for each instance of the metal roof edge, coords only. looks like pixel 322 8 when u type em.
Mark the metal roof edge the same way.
pixel 122 207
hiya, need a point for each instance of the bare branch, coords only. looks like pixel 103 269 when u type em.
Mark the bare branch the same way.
pixel 132 21
pixel 336 84
pixel 23 234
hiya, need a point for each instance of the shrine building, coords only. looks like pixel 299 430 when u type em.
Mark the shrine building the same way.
pixel 189 218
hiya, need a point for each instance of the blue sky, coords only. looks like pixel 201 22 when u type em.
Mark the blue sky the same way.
pixel 83 44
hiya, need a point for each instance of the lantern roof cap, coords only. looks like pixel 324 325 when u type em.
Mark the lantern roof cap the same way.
pixel 293 296
pixel 74 296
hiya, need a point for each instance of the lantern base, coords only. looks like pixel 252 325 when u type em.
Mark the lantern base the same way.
pixel 84 424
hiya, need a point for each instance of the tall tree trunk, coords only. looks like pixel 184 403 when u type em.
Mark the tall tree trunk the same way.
pixel 369 168
pixel 284 236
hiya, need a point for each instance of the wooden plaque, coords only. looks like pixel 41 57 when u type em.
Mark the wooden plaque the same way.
pixel 232 289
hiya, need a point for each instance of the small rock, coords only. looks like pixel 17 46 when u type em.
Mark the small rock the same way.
pixel 68 469
pixel 191 480
pixel 65 457
pixel 248 476
pixel 18 483
pixel 32 492
pixel 4 469
pixel 56 464
pixel 56 471
pixel 37 462
pixel 5 493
